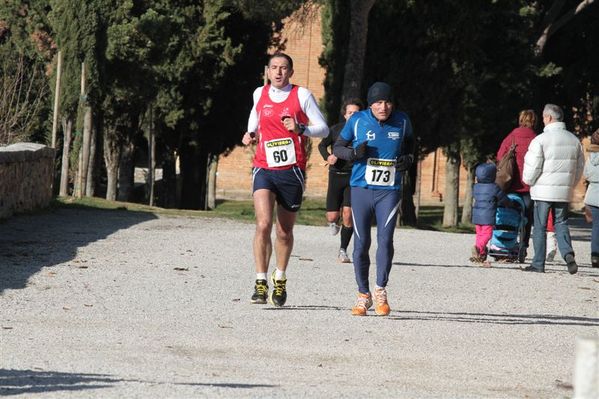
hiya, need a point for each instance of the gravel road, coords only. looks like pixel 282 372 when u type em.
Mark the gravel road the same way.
pixel 117 304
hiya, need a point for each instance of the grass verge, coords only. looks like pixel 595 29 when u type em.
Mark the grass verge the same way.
pixel 312 212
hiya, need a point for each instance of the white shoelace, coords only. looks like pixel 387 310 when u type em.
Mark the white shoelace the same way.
pixel 380 296
pixel 362 302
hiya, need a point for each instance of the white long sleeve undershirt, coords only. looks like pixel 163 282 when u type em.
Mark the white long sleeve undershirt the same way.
pixel 317 127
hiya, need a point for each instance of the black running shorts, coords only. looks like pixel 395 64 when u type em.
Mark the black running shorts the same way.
pixel 338 192
pixel 287 185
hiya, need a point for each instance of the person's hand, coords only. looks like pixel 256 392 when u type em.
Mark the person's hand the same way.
pixel 331 159
pixel 290 124
pixel 404 162
pixel 249 138
pixel 360 151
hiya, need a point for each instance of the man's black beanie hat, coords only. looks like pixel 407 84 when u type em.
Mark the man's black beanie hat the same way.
pixel 379 91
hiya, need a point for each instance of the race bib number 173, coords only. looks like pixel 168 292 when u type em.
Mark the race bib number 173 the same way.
pixel 380 172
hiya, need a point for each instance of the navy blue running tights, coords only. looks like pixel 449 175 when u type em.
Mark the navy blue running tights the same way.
pixel 384 205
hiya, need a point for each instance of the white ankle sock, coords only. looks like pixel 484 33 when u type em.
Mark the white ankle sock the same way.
pixel 279 274
pixel 260 276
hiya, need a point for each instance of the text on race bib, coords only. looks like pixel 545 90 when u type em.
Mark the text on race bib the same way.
pixel 280 152
pixel 380 172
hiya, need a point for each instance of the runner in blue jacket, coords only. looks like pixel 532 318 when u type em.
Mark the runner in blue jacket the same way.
pixel 382 145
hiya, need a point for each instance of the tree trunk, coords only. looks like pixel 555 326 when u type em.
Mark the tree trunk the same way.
pixel 169 180
pixel 56 98
pixel 189 166
pixel 358 35
pixel 112 155
pixel 452 181
pixel 151 183
pixel 77 180
pixel 151 160
pixel 194 168
pixel 467 208
pixel 90 187
pixel 126 171
pixel 85 151
pixel 211 192
pixel 202 186
pixel 67 127
pixel 408 208
pixel 418 188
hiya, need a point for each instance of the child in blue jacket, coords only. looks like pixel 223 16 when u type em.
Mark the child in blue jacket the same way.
pixel 486 196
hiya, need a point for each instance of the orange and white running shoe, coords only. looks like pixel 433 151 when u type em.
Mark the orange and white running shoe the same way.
pixel 381 306
pixel 363 303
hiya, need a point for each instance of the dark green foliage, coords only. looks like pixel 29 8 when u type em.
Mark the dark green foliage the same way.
pixel 463 70
pixel 569 66
pixel 335 36
pixel 456 77
pixel 25 24
pixel 69 21
pixel 195 63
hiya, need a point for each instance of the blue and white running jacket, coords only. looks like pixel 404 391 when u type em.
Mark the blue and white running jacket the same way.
pixel 386 142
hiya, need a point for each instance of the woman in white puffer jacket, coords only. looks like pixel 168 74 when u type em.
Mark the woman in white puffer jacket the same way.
pixel 591 199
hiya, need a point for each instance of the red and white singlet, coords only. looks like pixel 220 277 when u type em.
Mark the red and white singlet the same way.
pixel 277 147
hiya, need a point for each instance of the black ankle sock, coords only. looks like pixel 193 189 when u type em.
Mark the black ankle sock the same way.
pixel 346 233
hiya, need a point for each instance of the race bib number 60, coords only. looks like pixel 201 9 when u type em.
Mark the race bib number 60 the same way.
pixel 280 152
pixel 380 172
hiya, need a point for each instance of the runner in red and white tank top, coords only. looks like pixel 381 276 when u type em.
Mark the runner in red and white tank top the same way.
pixel 279 148
pixel 277 124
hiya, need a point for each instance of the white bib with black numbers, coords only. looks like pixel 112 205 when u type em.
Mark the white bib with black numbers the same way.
pixel 280 152
pixel 380 172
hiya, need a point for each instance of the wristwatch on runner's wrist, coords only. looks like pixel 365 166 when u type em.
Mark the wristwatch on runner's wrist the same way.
pixel 302 128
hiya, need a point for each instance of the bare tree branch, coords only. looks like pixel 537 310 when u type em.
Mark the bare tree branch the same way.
pixel 23 92
pixel 553 23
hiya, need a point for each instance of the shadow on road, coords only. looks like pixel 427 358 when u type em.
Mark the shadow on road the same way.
pixel 464 317
pixel 30 242
pixel 306 307
pixel 19 382
pixel 491 318
pixel 584 269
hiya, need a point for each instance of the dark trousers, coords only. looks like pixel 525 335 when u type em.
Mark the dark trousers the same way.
pixel 384 205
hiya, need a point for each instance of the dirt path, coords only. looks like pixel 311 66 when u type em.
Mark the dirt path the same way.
pixel 115 304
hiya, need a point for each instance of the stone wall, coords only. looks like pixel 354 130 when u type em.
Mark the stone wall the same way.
pixel 26 176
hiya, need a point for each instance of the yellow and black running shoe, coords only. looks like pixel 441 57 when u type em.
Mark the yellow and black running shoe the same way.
pixel 278 295
pixel 260 292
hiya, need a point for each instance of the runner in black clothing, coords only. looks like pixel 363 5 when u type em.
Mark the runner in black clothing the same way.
pixel 338 193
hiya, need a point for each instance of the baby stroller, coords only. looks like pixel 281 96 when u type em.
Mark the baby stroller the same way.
pixel 510 224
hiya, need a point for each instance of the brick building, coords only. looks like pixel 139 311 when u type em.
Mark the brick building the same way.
pixel 304 45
